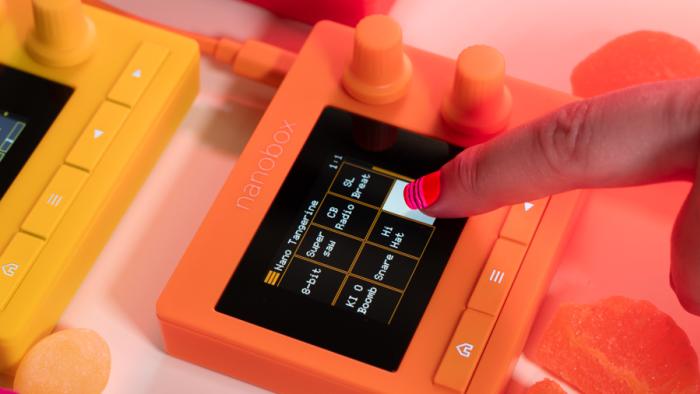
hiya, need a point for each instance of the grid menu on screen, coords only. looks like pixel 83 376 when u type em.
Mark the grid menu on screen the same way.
pixel 339 261
pixel 351 249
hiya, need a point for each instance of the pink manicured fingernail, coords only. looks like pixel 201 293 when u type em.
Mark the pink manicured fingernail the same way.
pixel 423 192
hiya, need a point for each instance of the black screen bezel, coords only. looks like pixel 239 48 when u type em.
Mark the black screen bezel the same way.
pixel 35 101
pixel 383 345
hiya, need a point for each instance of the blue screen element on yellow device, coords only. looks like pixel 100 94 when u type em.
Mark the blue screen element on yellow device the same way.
pixel 10 130
pixel 29 104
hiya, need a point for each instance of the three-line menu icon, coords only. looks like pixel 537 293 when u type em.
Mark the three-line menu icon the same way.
pixel 54 200
pixel 497 276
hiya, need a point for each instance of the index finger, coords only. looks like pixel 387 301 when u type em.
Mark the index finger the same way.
pixel 639 135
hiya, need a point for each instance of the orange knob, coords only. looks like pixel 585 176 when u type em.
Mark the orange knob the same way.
pixel 62 36
pixel 380 71
pixel 479 102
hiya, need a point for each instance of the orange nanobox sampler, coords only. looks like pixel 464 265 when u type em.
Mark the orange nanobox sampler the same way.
pixel 619 345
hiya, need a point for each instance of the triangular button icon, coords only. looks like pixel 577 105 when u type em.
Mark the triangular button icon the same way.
pixel 136 73
pixel 528 206
pixel 97 133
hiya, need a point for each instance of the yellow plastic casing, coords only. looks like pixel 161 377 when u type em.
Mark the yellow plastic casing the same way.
pixel 67 251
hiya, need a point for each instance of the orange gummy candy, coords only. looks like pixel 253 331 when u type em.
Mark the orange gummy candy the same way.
pixel 619 346
pixel 75 361
pixel 545 386
pixel 631 59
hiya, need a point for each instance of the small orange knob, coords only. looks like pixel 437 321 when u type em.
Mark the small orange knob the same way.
pixel 63 35
pixel 380 71
pixel 479 102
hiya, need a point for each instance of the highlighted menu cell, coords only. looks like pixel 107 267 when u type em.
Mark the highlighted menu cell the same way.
pixel 395 203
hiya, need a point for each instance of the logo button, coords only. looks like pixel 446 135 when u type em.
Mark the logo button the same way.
pixel 10 269
pixel 465 349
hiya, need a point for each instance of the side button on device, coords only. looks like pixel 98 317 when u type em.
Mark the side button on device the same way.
pixel 15 262
pixel 99 133
pixel 54 201
pixel 138 74
pixel 522 220
pixel 497 277
pixel 466 346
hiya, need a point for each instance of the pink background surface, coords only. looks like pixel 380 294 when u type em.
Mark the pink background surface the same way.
pixel 542 40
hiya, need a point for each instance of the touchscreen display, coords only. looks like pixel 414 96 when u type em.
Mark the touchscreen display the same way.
pixel 339 260
pixel 28 106
pixel 356 245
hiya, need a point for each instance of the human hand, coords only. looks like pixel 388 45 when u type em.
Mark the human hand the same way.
pixel 645 134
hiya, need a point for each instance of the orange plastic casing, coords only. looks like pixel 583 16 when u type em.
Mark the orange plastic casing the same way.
pixel 193 330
